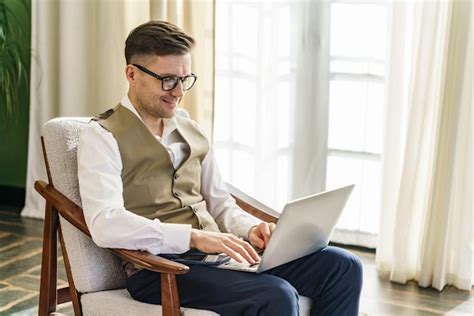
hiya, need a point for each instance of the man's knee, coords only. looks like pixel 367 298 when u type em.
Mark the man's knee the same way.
pixel 357 267
pixel 349 265
pixel 285 291
pixel 282 297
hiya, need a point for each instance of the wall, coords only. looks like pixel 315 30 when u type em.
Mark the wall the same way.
pixel 14 135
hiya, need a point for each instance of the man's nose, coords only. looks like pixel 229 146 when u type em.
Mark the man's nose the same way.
pixel 178 91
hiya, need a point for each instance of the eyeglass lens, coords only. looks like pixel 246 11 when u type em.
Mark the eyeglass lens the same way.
pixel 170 83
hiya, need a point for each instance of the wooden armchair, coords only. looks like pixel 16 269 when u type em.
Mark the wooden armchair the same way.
pixel 96 279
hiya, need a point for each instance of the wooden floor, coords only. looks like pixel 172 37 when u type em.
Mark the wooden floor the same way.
pixel 20 258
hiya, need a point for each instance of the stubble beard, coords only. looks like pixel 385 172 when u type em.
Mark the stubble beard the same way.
pixel 148 107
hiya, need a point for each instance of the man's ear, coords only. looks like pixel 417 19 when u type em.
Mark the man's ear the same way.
pixel 130 73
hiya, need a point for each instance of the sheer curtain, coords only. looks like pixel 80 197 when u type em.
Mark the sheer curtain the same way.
pixel 77 67
pixel 427 221
pixel 299 103
pixel 270 126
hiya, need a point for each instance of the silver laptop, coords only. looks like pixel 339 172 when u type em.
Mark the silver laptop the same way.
pixel 304 227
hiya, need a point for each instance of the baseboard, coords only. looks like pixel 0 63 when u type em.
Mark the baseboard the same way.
pixel 353 247
pixel 12 197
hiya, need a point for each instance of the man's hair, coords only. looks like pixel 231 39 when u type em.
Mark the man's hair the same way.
pixel 157 38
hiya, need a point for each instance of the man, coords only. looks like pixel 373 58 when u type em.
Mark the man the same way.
pixel 149 181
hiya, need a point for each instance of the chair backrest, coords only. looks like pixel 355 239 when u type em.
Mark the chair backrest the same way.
pixel 93 268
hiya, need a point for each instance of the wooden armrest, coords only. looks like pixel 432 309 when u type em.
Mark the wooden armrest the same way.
pixel 151 262
pixel 252 206
pixel 74 214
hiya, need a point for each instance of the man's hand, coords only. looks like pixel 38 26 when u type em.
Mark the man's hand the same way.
pixel 231 245
pixel 260 235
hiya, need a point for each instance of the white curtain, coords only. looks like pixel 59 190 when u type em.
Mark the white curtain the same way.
pixel 77 66
pixel 272 83
pixel 426 230
pixel 311 103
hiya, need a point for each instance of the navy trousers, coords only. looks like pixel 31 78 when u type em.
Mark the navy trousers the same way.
pixel 331 277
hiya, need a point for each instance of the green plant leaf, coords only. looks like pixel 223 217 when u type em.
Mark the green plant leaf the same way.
pixel 13 70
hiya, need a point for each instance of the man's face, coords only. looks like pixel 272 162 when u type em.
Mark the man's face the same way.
pixel 150 98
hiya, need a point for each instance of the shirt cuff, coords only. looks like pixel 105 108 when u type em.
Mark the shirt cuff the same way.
pixel 245 223
pixel 176 238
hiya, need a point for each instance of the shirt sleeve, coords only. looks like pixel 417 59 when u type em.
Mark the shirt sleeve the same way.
pixel 101 188
pixel 221 205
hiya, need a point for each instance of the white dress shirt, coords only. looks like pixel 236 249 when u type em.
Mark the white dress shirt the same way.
pixel 101 188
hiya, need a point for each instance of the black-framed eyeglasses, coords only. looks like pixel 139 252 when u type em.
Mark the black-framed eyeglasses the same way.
pixel 170 82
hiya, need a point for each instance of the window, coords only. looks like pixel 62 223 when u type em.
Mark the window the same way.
pixel 253 83
pixel 358 43
pixel 254 131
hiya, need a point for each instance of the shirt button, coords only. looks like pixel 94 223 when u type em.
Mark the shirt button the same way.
pixel 176 176
pixel 194 210
pixel 177 194
pixel 201 226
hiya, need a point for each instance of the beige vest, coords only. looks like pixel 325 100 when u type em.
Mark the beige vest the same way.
pixel 151 186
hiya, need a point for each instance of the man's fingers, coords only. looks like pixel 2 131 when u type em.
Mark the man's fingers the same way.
pixel 265 230
pixel 236 248
pixel 259 243
pixel 231 253
pixel 250 250
pixel 238 245
pixel 272 226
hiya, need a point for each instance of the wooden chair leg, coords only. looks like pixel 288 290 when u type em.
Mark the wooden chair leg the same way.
pixel 47 297
pixel 169 295
pixel 74 295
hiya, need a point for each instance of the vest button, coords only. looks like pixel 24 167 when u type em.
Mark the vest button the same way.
pixel 176 176
pixel 201 226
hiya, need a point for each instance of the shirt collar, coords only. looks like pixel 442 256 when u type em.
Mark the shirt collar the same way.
pixel 169 125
